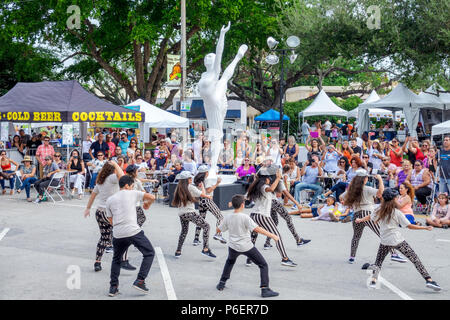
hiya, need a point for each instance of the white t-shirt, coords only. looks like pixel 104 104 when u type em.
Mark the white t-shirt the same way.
pixel 239 227
pixel 122 208
pixel 390 231
pixel 367 200
pixel 263 204
pixel 190 206
pixel 141 165
pixel 106 190
pixel 327 125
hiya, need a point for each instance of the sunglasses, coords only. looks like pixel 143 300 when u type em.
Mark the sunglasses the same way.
pixel 417 165
pixel 57 156
pixel 100 155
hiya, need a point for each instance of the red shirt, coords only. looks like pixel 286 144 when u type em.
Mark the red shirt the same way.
pixel 397 160
pixel 43 151
pixel 419 155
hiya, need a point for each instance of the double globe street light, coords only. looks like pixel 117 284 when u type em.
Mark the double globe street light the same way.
pixel 272 59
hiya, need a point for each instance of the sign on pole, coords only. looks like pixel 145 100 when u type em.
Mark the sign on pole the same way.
pixel 185 106
pixel 173 70
pixel 4 131
pixel 67 134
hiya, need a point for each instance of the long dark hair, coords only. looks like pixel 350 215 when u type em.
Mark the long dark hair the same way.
pixel 182 195
pixel 347 164
pixel 254 191
pixel 107 170
pixel 199 178
pixel 386 210
pixel 354 192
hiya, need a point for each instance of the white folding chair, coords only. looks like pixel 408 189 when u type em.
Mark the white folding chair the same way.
pixel 57 182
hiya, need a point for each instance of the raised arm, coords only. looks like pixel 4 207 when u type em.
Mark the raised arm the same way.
pixel 219 50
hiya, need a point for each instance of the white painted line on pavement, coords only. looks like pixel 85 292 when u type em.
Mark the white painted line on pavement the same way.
pixel 442 240
pixel 3 233
pixel 393 288
pixel 165 274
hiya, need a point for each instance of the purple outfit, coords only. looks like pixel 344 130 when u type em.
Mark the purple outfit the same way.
pixel 242 172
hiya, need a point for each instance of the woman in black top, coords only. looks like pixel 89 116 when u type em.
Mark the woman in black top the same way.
pixel 77 172
pixel 33 144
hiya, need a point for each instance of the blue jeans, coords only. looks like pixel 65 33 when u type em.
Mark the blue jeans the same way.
pixel 443 185
pixel 26 184
pixel 11 180
pixel 350 214
pixel 92 182
pixel 302 186
pixel 339 188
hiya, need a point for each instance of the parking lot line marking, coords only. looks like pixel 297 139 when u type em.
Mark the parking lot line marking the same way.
pixel 393 288
pixel 442 240
pixel 4 232
pixel 165 275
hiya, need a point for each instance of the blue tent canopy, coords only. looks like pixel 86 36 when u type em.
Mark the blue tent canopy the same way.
pixel 271 115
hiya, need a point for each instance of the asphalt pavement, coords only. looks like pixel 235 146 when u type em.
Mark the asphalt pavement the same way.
pixel 47 251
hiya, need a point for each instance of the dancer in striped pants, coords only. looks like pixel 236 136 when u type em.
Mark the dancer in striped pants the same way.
pixel 262 193
pixel 277 208
pixel 390 219
pixel 361 198
pixel 207 204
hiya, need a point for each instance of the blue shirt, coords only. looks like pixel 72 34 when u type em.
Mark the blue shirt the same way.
pixel 331 161
pixel 124 145
pixel 311 174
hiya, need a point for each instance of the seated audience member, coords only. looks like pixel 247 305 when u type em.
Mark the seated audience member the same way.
pixel 49 169
pixel 246 169
pixel 366 164
pixel 403 174
pixel 27 176
pixel 238 161
pixel 188 163
pixel 178 168
pixel 57 159
pixel 309 173
pixel 117 153
pixel 96 166
pixel 162 160
pixel 77 172
pixel 421 180
pixel 121 161
pixel 140 163
pixel 226 156
pixel 7 172
pixel 326 211
pixel 406 200
pixel 354 145
pixel 259 163
pixel 440 216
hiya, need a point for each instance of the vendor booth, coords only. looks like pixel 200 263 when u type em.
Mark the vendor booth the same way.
pixel 271 120
pixel 322 106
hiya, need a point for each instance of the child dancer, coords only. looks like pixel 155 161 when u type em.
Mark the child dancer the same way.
pixel 440 217
pixel 184 199
pixel 121 213
pixel 389 218
pixel 262 193
pixel 277 208
pixel 360 198
pixel 326 211
pixel 207 204
pixel 239 226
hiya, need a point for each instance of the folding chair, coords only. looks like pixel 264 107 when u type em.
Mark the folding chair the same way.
pixel 58 179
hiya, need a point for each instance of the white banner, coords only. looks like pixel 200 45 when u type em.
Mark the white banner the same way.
pixel 4 131
pixel 67 134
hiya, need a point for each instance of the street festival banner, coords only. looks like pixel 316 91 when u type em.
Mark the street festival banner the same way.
pixel 99 116
pixel 173 70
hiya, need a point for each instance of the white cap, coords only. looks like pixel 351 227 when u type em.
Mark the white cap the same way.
pixel 361 173
pixel 184 175
pixel 202 168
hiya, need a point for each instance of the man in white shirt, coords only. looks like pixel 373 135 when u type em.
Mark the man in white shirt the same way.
pixel 327 127
pixel 239 227
pixel 306 129
pixel 121 213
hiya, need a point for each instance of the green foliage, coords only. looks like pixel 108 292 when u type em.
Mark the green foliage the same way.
pixel 21 62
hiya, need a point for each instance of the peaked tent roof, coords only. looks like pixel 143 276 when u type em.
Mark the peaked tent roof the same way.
pixel 371 98
pixel 443 96
pixel 159 118
pixel 398 98
pixel 60 101
pixel 323 105
pixel 271 115
pixel 441 128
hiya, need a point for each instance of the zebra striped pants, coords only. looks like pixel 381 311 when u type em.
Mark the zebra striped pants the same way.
pixel 358 229
pixel 268 224
pixel 278 209
pixel 204 206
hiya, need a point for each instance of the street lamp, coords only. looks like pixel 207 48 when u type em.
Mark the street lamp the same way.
pixel 272 59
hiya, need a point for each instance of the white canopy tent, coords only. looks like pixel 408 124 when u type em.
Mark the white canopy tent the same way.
pixel 399 99
pixel 158 118
pixel 441 128
pixel 375 113
pixel 323 106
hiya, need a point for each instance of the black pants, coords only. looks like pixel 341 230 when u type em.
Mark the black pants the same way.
pixel 256 257
pixel 42 184
pixel 141 242
pixel 422 193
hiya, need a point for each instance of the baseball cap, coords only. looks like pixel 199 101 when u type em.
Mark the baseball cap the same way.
pixel 184 175
pixel 202 169
pixel 361 173
pixel 390 194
